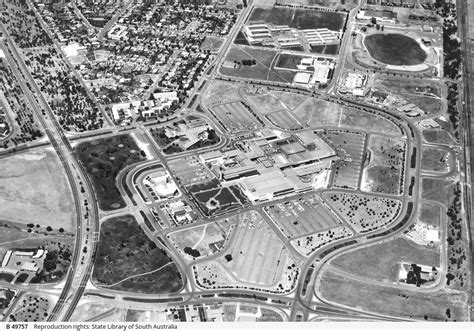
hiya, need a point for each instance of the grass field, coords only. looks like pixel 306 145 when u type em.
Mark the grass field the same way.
pixel 204 240
pixel 393 302
pixel 320 113
pixel 379 261
pixel 409 87
pixel 212 44
pixel 434 159
pixel 274 101
pixel 288 61
pixel 103 159
pixel 394 49
pixel 298 18
pixel 34 189
pixel 125 251
pixel 32 308
pixel 436 189
pixel 364 213
pixel 430 214
pixel 438 136
pixel 261 70
pixel 220 91
pixel 384 172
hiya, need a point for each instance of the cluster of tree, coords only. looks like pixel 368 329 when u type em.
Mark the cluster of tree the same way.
pixel 451 44
pixel 456 250
pixel 453 110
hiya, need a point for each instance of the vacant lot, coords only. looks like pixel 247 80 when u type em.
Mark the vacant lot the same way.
pixel 253 63
pixel 434 159
pixel 410 86
pixel 437 189
pixel 394 49
pixel 379 261
pixel 393 302
pixel 125 251
pixel 298 18
pixel 438 136
pixel 289 61
pixel 103 160
pixel 384 172
pixel 430 213
pixel 212 44
pixel 318 113
pixel 274 101
pixel 34 189
pixel 203 240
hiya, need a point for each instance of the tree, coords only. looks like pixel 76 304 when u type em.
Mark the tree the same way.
pixel 373 20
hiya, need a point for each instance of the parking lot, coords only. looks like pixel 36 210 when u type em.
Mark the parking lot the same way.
pixel 234 117
pixel 189 170
pixel 302 216
pixel 347 173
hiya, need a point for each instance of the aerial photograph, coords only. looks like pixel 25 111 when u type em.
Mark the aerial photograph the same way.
pixel 170 161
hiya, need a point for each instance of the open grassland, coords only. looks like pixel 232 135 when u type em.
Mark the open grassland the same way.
pixel 384 172
pixel 437 189
pixel 318 113
pixel 128 260
pixel 435 159
pixel 430 214
pixel 392 301
pixel 364 213
pixel 203 240
pixel 32 308
pixel 334 4
pixel 298 18
pixel 379 261
pixel 238 63
pixel 273 101
pixel 103 159
pixel 394 49
pixel 34 189
pixel 438 136
pixel 212 44
pixel 220 92
pixel 409 87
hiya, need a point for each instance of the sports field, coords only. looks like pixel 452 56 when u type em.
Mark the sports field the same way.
pixel 35 189
pixel 300 19
pixel 302 216
pixel 394 49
